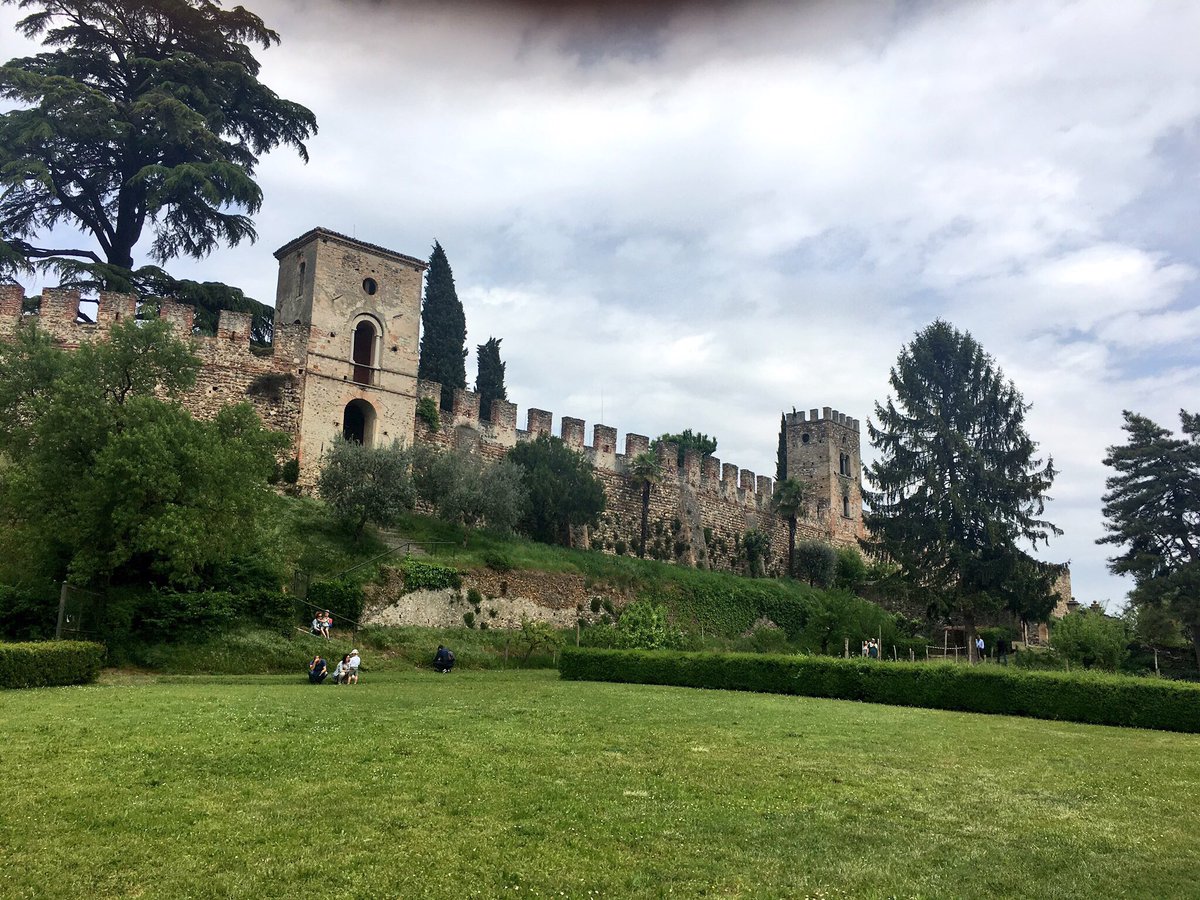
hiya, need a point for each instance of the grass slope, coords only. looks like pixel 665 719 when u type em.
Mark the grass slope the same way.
pixel 514 783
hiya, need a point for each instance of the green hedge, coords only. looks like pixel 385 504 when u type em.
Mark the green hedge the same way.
pixel 53 662
pixel 1077 697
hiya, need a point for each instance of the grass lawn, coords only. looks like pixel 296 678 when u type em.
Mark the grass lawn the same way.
pixel 517 784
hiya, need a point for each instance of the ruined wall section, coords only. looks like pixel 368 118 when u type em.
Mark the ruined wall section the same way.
pixel 698 512
pixel 231 372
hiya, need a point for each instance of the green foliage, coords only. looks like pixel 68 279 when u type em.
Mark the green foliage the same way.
pixel 816 562
pixel 958 489
pixel 469 619
pixel 688 440
pixel 756 545
pixel 468 490
pixel 207 299
pixel 1077 697
pixel 537 636
pixel 498 561
pixel 143 116
pixel 366 484
pixel 646 626
pixel 781 472
pixel 644 468
pixel 49 663
pixel 343 597
pixel 1152 512
pixel 421 575
pixel 290 471
pixel 428 412
pixel 851 572
pixel 489 377
pixel 28 613
pixel 1091 640
pixel 109 480
pixel 443 329
pixel 474 597
pixel 564 491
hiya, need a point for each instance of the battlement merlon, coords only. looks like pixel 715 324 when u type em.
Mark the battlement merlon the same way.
pixel 825 414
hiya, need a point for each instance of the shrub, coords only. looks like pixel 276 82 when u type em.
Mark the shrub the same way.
pixel 421 575
pixel 619 548
pixel 1078 697
pixel 1091 640
pixel 816 563
pixel 469 619
pixel 595 604
pixel 497 561
pixel 163 615
pixel 427 412
pixel 49 663
pixel 28 614
pixel 289 472
pixel 644 625
pixel 851 571
pixel 474 597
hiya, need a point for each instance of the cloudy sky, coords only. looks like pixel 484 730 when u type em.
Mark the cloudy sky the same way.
pixel 698 215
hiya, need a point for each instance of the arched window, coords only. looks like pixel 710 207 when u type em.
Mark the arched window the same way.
pixel 358 422
pixel 363 351
pixel 846 505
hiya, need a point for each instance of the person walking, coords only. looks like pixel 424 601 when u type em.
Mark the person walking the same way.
pixel 979 647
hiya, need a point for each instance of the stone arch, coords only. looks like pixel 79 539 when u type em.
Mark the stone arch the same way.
pixel 358 422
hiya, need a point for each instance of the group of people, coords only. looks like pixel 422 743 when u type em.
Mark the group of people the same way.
pixel 346 671
pixel 870 648
pixel 322 623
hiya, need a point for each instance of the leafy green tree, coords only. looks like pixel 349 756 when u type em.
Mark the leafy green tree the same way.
pixel 644 468
pixel 366 485
pixel 469 490
pixel 1152 511
pixel 564 492
pixel 443 329
pixel 790 500
pixel 106 479
pixel 489 376
pixel 816 563
pixel 957 484
pixel 688 440
pixel 646 626
pixel 1091 640
pixel 145 113
pixel 534 635
pixel 851 572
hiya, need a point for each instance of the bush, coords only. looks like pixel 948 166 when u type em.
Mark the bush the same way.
pixel 28 614
pixel 816 563
pixel 469 619
pixel 1091 640
pixel 50 663
pixel 164 615
pixel 421 575
pixel 645 626
pixel 498 562
pixel 851 571
pixel 1077 697
pixel 427 412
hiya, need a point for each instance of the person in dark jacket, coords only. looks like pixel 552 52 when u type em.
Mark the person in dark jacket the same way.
pixel 317 670
pixel 443 660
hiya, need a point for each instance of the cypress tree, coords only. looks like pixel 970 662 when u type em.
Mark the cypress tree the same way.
pixel 443 329
pixel 781 472
pixel 489 377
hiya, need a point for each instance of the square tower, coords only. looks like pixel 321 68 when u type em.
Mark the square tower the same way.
pixel 361 305
pixel 822 449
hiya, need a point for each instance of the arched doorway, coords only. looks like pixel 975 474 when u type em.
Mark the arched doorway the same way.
pixel 362 351
pixel 358 422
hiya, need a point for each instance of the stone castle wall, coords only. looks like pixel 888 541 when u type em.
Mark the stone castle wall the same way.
pixel 272 381
pixel 698 513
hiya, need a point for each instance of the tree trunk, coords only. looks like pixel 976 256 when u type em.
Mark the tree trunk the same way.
pixel 969 627
pixel 791 546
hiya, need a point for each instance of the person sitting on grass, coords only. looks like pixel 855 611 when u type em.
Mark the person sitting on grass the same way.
pixel 317 670
pixel 443 660
pixel 318 626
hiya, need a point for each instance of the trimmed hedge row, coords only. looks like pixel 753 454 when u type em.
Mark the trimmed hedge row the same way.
pixel 49 663
pixel 1076 697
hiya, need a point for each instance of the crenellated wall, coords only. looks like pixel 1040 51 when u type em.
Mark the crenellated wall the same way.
pixel 230 372
pixel 698 512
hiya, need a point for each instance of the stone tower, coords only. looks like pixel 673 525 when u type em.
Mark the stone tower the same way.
pixel 361 305
pixel 823 449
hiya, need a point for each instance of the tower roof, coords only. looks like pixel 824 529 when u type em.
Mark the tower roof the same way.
pixel 339 238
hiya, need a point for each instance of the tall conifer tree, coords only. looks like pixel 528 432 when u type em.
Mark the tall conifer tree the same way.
pixel 489 376
pixel 957 484
pixel 781 472
pixel 443 329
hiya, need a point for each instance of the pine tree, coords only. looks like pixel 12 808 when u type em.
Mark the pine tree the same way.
pixel 957 486
pixel 1152 509
pixel 443 329
pixel 489 377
